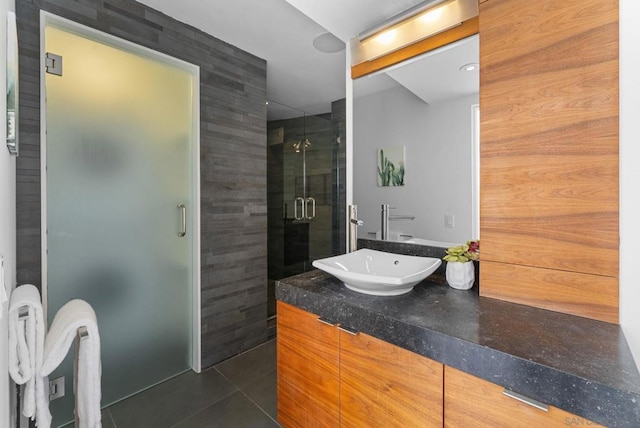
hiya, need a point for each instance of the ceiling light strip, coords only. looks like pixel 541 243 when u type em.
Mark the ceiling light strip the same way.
pixel 432 18
pixel 467 29
pixel 402 16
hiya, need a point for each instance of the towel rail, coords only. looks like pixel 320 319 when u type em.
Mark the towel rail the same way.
pixel 83 333
pixel 23 312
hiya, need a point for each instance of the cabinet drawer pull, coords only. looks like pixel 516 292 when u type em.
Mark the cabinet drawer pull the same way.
pixel 327 321
pixel 526 400
pixel 348 330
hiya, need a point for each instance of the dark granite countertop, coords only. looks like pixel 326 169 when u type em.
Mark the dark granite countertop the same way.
pixel 577 364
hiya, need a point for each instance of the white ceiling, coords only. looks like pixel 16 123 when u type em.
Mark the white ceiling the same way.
pixel 282 33
pixel 348 18
pixel 297 74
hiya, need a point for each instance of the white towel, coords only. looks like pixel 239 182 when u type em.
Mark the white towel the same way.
pixel 73 315
pixel 26 352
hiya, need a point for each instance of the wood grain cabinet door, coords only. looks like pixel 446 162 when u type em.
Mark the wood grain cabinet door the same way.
pixel 382 385
pixel 549 154
pixel 307 370
pixel 473 402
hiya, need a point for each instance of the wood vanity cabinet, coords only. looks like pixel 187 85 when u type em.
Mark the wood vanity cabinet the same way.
pixel 473 402
pixel 308 370
pixel 382 385
pixel 328 377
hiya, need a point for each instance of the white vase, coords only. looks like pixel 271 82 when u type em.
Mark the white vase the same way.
pixel 461 275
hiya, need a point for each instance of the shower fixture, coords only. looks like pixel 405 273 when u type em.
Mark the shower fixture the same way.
pixel 305 144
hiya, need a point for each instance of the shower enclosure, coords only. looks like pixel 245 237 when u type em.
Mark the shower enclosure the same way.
pixel 305 189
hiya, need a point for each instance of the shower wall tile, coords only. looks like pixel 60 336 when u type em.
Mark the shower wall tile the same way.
pixel 232 161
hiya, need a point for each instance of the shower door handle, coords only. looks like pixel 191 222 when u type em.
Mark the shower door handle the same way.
pixel 313 208
pixel 302 208
pixel 183 220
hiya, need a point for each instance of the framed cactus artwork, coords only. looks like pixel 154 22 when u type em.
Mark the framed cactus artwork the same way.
pixel 391 167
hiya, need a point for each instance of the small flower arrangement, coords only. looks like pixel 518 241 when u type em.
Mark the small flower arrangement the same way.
pixel 463 253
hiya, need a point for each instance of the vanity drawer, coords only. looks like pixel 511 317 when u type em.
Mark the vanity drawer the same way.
pixel 471 401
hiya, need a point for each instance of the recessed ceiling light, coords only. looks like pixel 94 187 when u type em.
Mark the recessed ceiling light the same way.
pixel 328 43
pixel 474 66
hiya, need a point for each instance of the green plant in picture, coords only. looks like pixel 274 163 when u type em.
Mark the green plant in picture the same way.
pixel 397 178
pixel 388 173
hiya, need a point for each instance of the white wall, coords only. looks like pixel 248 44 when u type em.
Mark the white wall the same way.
pixel 438 156
pixel 630 174
pixel 7 225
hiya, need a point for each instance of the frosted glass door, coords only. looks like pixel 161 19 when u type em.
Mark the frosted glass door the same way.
pixel 119 162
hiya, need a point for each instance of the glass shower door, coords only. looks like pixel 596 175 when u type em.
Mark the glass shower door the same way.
pixel 320 189
pixel 301 192
pixel 119 150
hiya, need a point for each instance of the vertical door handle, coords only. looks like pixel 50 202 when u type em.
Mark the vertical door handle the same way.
pixel 183 220
pixel 295 208
pixel 313 208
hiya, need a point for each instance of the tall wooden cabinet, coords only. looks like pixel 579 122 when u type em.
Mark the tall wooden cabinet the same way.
pixel 549 154
pixel 332 378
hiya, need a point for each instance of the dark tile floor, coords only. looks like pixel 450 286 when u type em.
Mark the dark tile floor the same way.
pixel 239 392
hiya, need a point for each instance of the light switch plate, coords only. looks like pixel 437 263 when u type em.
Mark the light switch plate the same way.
pixel 449 221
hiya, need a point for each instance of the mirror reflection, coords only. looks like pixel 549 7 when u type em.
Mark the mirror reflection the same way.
pixel 416 147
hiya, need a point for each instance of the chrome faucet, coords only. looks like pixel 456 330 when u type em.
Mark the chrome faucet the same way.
pixel 384 230
pixel 353 227
pixel 385 217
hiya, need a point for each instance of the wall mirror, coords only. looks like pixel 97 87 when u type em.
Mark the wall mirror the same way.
pixel 421 115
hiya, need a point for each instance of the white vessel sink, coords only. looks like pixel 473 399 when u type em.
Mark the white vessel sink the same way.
pixel 378 273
